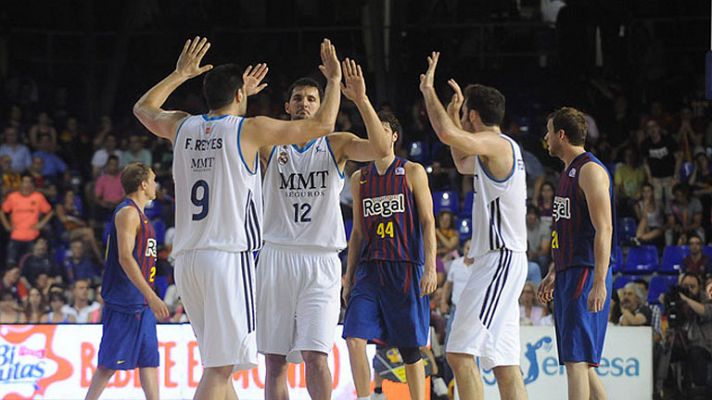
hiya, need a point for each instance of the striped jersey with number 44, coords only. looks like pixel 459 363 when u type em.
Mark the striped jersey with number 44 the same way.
pixel 218 195
pixel 499 208
pixel 301 191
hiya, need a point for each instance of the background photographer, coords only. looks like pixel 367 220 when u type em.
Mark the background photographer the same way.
pixel 691 308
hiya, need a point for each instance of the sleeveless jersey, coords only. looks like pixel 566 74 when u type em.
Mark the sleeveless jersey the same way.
pixel 119 293
pixel 499 208
pixel 389 216
pixel 218 196
pixel 301 191
pixel 573 235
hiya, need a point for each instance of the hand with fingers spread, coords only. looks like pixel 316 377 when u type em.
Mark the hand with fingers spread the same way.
pixel 355 87
pixel 252 79
pixel 188 65
pixel 455 105
pixel 330 66
pixel 427 80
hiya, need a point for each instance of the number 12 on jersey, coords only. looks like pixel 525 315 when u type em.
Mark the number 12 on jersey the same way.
pixel 384 229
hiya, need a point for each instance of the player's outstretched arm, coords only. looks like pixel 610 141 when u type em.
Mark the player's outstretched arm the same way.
pixel 448 133
pixel 595 183
pixel 356 237
pixel 348 146
pixel 464 163
pixel 264 131
pixel 418 179
pixel 127 224
pixel 148 109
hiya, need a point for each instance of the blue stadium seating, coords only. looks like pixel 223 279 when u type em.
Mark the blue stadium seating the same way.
pixel 348 226
pixel 160 228
pixel 626 229
pixel 618 260
pixel 445 201
pixel 464 227
pixel 659 284
pixel 418 151
pixel 161 285
pixel 707 250
pixel 467 207
pixel 641 260
pixel 622 280
pixel 672 259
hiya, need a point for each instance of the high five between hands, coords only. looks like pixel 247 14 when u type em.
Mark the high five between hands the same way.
pixel 354 87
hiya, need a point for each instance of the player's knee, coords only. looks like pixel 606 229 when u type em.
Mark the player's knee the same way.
pixel 410 355
pixel 222 372
pixel 314 358
pixel 356 344
pixel 458 361
pixel 276 365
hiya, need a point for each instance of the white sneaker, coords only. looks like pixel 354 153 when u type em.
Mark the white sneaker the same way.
pixel 378 396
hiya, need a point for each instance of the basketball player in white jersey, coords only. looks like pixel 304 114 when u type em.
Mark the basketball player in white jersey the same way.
pixel 299 271
pixel 487 321
pixel 216 169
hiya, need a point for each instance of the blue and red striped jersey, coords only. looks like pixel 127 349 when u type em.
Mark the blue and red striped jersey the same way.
pixel 118 291
pixel 573 235
pixel 389 216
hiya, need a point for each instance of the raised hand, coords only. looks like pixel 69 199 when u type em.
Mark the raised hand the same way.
pixel 355 87
pixel 455 105
pixel 329 62
pixel 188 65
pixel 428 78
pixel 252 79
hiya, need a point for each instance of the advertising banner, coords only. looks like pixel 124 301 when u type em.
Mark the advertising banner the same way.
pixel 58 361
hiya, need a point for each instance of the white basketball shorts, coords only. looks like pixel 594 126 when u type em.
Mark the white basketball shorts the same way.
pixel 486 323
pixel 298 293
pixel 217 291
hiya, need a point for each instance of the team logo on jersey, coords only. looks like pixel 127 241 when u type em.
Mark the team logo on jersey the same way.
pixel 208 129
pixel 283 156
pixel 151 248
pixel 384 206
pixel 400 171
pixel 520 164
pixel 561 208
pixel 572 173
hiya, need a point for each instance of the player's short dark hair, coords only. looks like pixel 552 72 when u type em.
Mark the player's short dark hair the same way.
pixel 487 101
pixel 392 121
pixel 132 176
pixel 572 122
pixel 305 82
pixel 220 85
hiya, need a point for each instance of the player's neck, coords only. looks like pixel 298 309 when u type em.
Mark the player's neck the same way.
pixel 382 164
pixel 139 199
pixel 482 128
pixel 570 153
pixel 230 109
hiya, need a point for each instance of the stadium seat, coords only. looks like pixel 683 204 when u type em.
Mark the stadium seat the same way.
pixel 626 227
pixel 672 259
pixel 467 206
pixel 659 284
pixel 707 250
pixel 622 280
pixel 160 228
pixel 418 151
pixel 348 226
pixel 617 263
pixel 464 227
pixel 161 285
pixel 445 201
pixel 641 260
